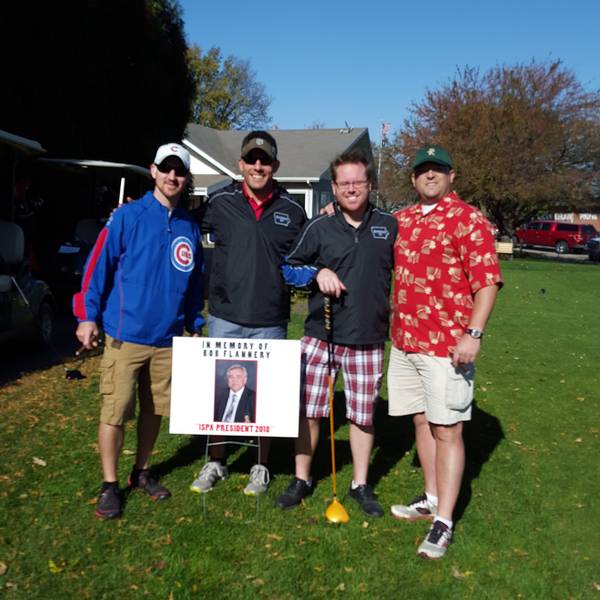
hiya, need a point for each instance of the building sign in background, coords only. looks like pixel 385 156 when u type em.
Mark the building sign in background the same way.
pixel 264 375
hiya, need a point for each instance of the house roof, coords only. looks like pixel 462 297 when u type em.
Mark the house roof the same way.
pixel 304 154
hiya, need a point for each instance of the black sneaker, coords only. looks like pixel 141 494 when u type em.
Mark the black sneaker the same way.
pixel 109 503
pixel 367 500
pixel 141 480
pixel 295 493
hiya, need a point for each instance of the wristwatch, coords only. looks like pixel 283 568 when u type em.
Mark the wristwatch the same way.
pixel 475 333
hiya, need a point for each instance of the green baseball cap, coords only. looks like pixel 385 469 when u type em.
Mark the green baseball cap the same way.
pixel 432 154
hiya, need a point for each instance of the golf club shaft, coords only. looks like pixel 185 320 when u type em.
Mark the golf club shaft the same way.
pixel 329 330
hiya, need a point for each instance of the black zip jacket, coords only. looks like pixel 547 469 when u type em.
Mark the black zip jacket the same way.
pixel 246 285
pixel 363 259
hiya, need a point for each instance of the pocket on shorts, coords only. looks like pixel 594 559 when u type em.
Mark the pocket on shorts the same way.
pixel 107 376
pixel 459 387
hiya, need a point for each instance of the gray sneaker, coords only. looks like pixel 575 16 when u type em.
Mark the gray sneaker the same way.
pixel 209 475
pixel 419 508
pixel 259 481
pixel 436 542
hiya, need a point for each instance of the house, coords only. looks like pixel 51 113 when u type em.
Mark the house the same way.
pixel 304 154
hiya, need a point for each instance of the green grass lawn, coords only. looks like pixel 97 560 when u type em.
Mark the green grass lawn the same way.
pixel 527 520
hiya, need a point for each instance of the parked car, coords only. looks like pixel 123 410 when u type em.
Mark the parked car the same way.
pixel 593 248
pixel 563 237
pixel 26 303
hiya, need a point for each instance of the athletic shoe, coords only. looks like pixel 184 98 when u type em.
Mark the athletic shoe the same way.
pixel 295 493
pixel 419 508
pixel 209 475
pixel 363 494
pixel 259 481
pixel 436 542
pixel 109 503
pixel 141 480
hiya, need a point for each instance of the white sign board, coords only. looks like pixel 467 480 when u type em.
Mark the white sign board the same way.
pixel 235 387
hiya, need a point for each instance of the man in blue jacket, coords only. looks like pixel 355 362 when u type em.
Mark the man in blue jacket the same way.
pixel 142 284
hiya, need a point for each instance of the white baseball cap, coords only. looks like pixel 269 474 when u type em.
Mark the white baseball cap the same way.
pixel 173 149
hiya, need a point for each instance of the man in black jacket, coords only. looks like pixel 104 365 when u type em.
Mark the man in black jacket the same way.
pixel 254 224
pixel 349 254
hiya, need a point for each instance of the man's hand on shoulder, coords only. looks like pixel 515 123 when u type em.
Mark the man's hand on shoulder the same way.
pixel 87 333
pixel 466 350
pixel 329 283
pixel 328 210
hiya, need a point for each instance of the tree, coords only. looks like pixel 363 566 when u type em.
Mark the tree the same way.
pixel 524 139
pixel 95 79
pixel 227 95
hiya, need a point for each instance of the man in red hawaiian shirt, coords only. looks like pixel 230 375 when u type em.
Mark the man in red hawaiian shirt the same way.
pixel 446 280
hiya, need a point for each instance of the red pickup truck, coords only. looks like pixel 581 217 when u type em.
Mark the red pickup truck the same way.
pixel 563 237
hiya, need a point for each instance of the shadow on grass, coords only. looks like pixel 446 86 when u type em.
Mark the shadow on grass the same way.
pixel 481 435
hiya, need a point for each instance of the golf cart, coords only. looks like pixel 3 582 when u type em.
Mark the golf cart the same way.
pixel 26 303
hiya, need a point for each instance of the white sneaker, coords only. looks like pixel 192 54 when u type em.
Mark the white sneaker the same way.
pixel 209 475
pixel 436 542
pixel 419 508
pixel 259 481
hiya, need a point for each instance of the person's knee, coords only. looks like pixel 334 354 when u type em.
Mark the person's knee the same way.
pixel 369 429
pixel 448 434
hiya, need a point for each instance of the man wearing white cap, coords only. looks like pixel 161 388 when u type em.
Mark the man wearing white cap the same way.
pixel 142 284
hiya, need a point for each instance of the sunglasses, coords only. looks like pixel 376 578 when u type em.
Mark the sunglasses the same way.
pixel 252 157
pixel 165 167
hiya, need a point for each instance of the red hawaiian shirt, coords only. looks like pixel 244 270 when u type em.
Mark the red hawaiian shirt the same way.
pixel 441 260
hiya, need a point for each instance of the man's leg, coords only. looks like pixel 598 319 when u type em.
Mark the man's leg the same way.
pixel 306 444
pixel 449 466
pixel 154 390
pixel 361 445
pixel 148 426
pixel 426 450
pixel 110 443
pixel 363 371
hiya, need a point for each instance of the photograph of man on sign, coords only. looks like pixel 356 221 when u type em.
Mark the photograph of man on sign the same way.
pixel 235 395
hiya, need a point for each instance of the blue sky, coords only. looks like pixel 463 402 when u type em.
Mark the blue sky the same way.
pixel 364 62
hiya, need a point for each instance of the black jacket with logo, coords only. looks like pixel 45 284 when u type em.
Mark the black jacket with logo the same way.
pixel 363 259
pixel 246 285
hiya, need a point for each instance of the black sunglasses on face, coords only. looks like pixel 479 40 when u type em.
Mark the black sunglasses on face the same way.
pixel 252 157
pixel 180 170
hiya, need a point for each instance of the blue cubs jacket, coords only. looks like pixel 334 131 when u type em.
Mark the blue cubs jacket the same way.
pixel 143 279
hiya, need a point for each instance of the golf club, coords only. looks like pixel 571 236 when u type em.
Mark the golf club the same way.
pixel 335 512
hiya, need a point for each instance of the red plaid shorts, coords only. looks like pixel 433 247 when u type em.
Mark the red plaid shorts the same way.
pixel 362 367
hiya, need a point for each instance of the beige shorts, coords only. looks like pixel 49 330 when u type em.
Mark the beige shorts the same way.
pixel 128 368
pixel 418 383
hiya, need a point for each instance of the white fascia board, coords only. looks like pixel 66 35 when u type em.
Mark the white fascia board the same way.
pixel 298 179
pixel 208 158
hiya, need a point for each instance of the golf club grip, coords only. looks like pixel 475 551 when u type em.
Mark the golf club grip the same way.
pixel 327 309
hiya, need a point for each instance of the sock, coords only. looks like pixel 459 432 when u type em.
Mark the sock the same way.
pixel 445 522
pixel 110 484
pixel 354 485
pixel 431 499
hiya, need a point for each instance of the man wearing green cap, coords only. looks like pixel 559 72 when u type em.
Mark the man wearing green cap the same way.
pixel 446 280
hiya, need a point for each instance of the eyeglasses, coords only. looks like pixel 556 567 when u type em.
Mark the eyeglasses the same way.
pixel 252 157
pixel 345 185
pixel 165 167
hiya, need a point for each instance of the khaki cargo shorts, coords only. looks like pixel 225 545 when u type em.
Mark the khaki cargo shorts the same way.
pixel 418 383
pixel 128 368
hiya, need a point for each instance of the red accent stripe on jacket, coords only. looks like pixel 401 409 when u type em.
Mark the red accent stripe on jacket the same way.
pixel 79 298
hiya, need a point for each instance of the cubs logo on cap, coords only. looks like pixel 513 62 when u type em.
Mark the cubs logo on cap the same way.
pixel 182 255
pixel 173 149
